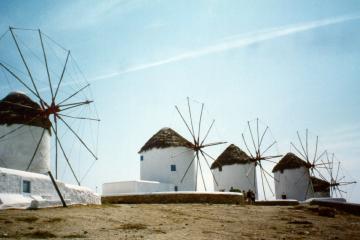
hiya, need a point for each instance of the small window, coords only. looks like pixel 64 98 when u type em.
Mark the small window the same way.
pixel 26 186
pixel 176 188
pixel 220 168
pixel 141 158
pixel 173 167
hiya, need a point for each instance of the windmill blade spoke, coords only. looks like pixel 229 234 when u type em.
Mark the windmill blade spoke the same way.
pixel 341 178
pixel 320 156
pixel 56 149
pixel 187 169
pixel 65 156
pixel 265 159
pixel 187 126
pixel 191 121
pixel 24 62
pixel 21 81
pixel 62 75
pixel 320 175
pixel 257 133
pixel 203 154
pixel 249 170
pixel 213 144
pixel 271 157
pixel 252 138
pixel 263 135
pixel 300 178
pixel 196 171
pixel 316 148
pixel 12 131
pixel 201 112
pixel 327 168
pixel 266 180
pixel 268 148
pixel 74 94
pixel 201 173
pixel 80 118
pixel 207 133
pixel 76 103
pixel 346 183
pixel 46 65
pixel 36 149
pixel 17 128
pixel 262 183
pixel 268 173
pixel 247 146
pixel 307 144
pixel 337 171
pixel 298 150
pixel 302 146
pixel 78 137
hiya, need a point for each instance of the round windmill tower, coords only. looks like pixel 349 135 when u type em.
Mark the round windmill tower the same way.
pixel 292 178
pixel 307 149
pixel 56 105
pixel 262 150
pixel 231 170
pixel 29 148
pixel 168 157
pixel 164 157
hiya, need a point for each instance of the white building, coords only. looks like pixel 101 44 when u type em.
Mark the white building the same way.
pixel 233 169
pixel 21 129
pixel 25 159
pixel 164 159
pixel 292 179
pixel 20 189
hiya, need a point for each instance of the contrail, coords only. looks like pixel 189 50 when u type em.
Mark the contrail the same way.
pixel 235 42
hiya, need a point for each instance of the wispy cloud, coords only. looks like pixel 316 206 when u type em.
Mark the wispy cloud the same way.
pixel 234 42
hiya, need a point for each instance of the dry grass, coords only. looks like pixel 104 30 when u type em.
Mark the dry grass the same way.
pixel 28 219
pixel 40 234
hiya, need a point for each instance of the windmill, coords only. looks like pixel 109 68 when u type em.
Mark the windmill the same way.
pixel 337 179
pixel 37 65
pixel 198 143
pixel 309 154
pixel 260 145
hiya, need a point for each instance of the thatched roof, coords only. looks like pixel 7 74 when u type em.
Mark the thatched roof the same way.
pixel 165 138
pixel 289 161
pixel 231 155
pixel 17 108
pixel 320 185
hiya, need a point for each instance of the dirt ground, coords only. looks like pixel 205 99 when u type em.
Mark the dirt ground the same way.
pixel 178 221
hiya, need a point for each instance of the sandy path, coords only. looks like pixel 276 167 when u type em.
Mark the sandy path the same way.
pixel 178 221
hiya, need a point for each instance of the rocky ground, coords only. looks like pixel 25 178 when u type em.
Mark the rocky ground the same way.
pixel 179 221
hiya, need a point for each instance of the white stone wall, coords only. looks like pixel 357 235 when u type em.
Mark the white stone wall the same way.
pixel 116 188
pixel 156 163
pixel 42 190
pixel 17 148
pixel 238 176
pixel 294 183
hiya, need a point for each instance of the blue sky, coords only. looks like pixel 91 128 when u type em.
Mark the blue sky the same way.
pixel 293 64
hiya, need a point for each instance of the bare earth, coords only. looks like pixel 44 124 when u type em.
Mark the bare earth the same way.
pixel 178 221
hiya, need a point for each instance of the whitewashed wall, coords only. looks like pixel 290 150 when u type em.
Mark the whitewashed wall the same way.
pixel 238 176
pixel 139 186
pixel 156 163
pixel 17 149
pixel 294 183
pixel 42 190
